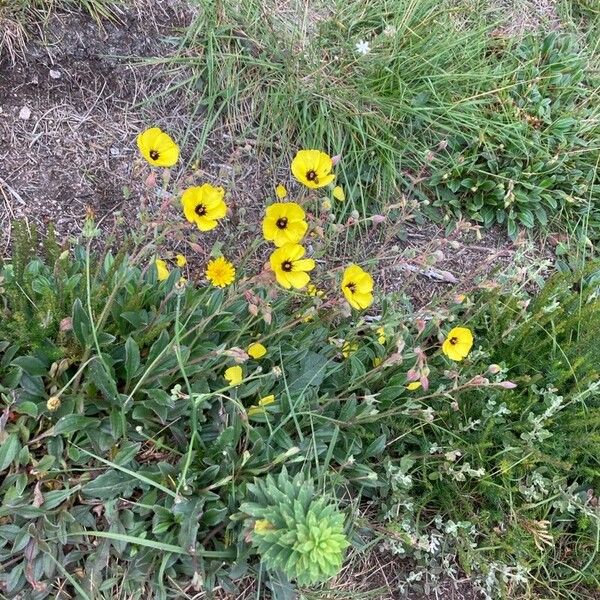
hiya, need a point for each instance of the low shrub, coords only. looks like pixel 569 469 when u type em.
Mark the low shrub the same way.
pixel 550 169
pixel 167 432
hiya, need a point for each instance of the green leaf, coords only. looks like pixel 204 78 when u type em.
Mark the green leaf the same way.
pixel 376 447
pixel 81 324
pixel 102 380
pixel 526 217
pixel 9 450
pixel 70 424
pixel 129 539
pixel 27 408
pixel 111 484
pixel 132 358
pixel 31 365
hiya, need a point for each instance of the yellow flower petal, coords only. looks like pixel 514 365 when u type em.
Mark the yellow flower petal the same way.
pixel 349 348
pixel 281 191
pixel 377 361
pixel 262 526
pixel 256 350
pixel 313 168
pixel 157 147
pixel 180 261
pixel 284 223
pixel 234 375
pixel 357 287
pixel 204 205
pixel 260 408
pixel 338 193
pixel 458 343
pixel 289 267
pixel 381 337
pixel 413 385
pixel 220 272
pixel 162 271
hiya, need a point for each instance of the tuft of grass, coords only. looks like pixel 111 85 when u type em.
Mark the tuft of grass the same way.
pixel 444 105
pixel 292 76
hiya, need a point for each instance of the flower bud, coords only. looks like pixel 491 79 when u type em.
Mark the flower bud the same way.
pixel 53 403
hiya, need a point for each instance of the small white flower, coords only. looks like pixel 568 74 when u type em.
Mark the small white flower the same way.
pixel 363 47
pixel 389 31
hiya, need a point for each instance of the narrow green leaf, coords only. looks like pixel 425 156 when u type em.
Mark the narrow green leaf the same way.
pixel 9 450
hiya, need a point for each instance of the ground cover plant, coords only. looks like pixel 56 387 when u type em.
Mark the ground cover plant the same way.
pixel 167 432
pixel 499 130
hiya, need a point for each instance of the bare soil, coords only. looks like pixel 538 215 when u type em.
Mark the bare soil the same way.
pixel 67 117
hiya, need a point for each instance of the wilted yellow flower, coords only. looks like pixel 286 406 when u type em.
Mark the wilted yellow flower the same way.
pixel 338 193
pixel 162 271
pixel 413 385
pixel 313 290
pixel 262 526
pixel 381 337
pixel 284 223
pixel 349 348
pixel 357 287
pixel 234 375
pixel 260 408
pixel 204 205
pixel 289 267
pixel 313 168
pixel 377 361
pixel 326 205
pixel 256 350
pixel 180 261
pixel 53 403
pixel 220 272
pixel 458 343
pixel 280 191
pixel 157 147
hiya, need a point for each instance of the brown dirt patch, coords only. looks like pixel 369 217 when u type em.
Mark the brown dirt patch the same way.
pixel 67 126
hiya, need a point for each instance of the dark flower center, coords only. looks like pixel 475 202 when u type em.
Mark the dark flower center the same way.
pixel 312 176
pixel 351 287
pixel 282 222
pixel 454 341
pixel 286 265
pixel 200 210
pixel 154 154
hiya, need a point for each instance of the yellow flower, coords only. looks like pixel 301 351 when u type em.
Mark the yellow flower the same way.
pixel 413 385
pixel 158 148
pixel 204 205
pixel 284 223
pixel 234 375
pixel 313 168
pixel 262 526
pixel 381 338
pixel 313 290
pixel 357 286
pixel 338 193
pixel 260 408
pixel 220 272
pixel 256 350
pixel 349 348
pixel 280 191
pixel 458 343
pixel 377 361
pixel 289 267
pixel 162 271
pixel 180 261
